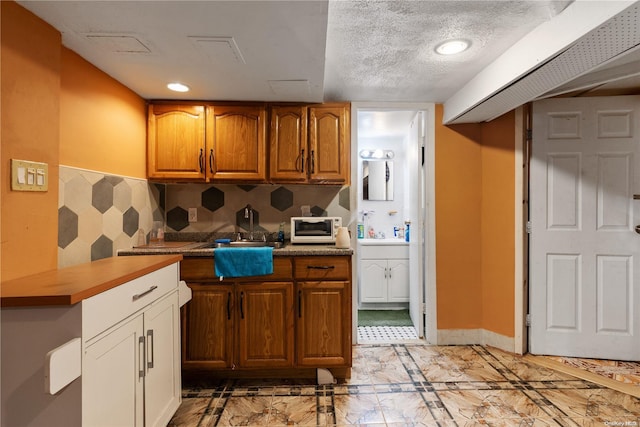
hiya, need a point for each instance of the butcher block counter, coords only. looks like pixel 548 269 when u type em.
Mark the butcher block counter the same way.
pixel 93 344
pixel 73 284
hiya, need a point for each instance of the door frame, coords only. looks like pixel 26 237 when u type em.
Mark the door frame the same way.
pixel 521 211
pixel 429 260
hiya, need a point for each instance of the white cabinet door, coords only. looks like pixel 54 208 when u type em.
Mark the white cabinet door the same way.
pixel 373 283
pixel 162 364
pixel 398 280
pixel 113 377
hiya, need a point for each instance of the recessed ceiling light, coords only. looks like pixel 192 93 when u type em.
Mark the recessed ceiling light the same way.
pixel 178 87
pixel 451 47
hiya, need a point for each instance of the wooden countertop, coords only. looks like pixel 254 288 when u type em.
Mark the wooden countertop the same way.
pixel 71 285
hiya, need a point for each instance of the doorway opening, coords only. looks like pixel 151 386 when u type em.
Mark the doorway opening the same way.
pixel 394 291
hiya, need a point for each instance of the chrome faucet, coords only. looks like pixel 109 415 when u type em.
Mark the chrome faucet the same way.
pixel 248 213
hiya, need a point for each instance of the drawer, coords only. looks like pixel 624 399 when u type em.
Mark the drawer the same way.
pixel 104 310
pixel 193 270
pixel 384 251
pixel 322 268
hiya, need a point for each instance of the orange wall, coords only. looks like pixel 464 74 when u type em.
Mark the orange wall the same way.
pixel 458 178
pixel 30 90
pixel 498 225
pixel 102 123
pixel 475 224
pixel 59 109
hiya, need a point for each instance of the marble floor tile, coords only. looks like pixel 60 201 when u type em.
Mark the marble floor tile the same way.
pixel 413 385
pixel 245 411
pixel 358 410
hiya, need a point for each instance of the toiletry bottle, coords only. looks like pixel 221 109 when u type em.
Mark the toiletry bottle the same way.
pixel 360 230
pixel 281 233
pixel 406 231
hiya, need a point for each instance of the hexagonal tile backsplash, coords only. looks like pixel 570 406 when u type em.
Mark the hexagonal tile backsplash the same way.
pixel 220 208
pixel 98 214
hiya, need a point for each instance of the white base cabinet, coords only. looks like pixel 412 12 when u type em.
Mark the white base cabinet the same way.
pixel 130 357
pixel 384 273
pixel 146 345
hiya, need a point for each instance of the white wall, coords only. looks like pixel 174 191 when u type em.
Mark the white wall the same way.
pixel 382 220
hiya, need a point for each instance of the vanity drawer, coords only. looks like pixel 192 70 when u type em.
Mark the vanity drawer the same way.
pixel 104 310
pixel 322 268
pixel 384 251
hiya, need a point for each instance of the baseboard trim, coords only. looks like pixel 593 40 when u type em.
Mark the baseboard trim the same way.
pixel 475 337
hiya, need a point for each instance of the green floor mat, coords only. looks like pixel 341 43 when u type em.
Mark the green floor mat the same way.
pixel 384 318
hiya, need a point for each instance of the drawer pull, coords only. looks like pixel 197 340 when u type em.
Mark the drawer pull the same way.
pixel 242 305
pixel 229 306
pixel 148 291
pixel 300 303
pixel 150 343
pixel 141 356
pixel 321 267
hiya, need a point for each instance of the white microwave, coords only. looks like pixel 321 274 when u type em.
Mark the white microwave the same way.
pixel 314 229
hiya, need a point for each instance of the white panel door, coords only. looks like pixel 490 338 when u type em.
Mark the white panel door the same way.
pixel 373 280
pixel 162 364
pixel 584 254
pixel 398 280
pixel 113 377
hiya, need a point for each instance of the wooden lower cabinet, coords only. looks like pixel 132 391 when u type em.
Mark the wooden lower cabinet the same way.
pixel 207 327
pixel 324 324
pixel 265 325
pixel 284 321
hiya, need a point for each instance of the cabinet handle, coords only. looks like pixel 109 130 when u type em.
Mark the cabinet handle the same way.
pixel 299 303
pixel 242 305
pixel 148 291
pixel 389 272
pixel 229 306
pixel 302 161
pixel 141 356
pixel 321 267
pixel 201 161
pixel 313 162
pixel 385 272
pixel 211 161
pixel 150 343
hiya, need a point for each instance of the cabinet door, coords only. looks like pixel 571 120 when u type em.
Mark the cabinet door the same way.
pixel 239 144
pixel 288 136
pixel 207 325
pixel 113 377
pixel 176 142
pixel 329 136
pixel 398 280
pixel 265 324
pixel 373 280
pixel 162 380
pixel 324 324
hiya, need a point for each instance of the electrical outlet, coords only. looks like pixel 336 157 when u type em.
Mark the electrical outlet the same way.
pixel 193 214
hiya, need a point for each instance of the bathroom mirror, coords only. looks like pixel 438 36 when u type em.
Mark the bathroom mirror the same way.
pixel 377 180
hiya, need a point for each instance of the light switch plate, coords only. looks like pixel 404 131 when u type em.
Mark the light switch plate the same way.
pixel 29 176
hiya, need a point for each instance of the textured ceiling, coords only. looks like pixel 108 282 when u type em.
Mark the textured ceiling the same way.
pixel 318 50
pixel 385 49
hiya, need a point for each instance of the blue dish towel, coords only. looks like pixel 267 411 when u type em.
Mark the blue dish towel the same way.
pixel 242 262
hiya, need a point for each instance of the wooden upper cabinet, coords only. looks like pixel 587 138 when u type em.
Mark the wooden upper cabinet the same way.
pixel 176 141
pixel 227 142
pixel 238 143
pixel 329 136
pixel 288 148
